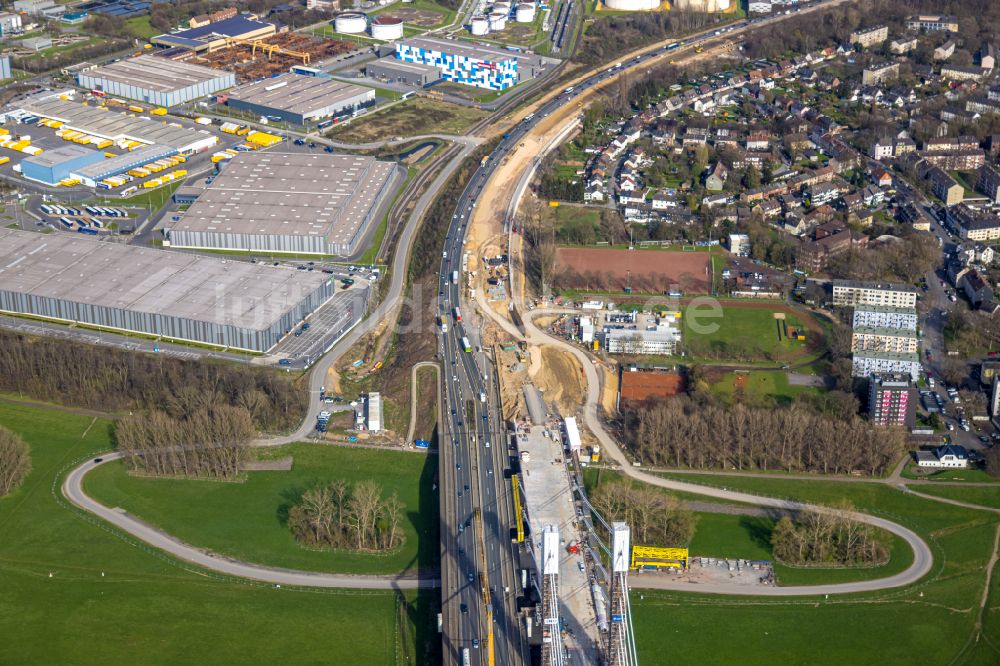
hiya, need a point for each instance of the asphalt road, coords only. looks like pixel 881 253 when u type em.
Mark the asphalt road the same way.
pixel 73 491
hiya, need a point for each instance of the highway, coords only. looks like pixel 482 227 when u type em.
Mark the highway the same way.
pixel 472 475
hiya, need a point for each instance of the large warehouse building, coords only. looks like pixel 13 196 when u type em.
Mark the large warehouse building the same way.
pixel 216 35
pixel 303 203
pixel 156 292
pixel 300 99
pixel 399 71
pixel 472 64
pixel 119 127
pixel 158 81
pixel 58 164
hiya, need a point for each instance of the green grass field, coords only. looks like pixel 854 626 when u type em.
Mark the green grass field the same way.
pixel 973 475
pixel 76 591
pixel 744 334
pixel 759 385
pixel 247 520
pixel 981 495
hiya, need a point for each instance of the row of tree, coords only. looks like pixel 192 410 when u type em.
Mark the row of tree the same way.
pixel 15 461
pixel 655 517
pixel 109 379
pixel 828 537
pixel 209 443
pixel 682 433
pixel 339 515
pixel 611 36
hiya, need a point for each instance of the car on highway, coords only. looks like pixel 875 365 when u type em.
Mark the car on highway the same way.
pixel 464 608
pixel 472 577
pixel 475 643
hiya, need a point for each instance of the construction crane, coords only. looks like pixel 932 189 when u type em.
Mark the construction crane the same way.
pixel 484 582
pixel 270 49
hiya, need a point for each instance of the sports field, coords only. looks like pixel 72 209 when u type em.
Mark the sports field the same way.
pixel 73 591
pixel 646 271
pixel 750 331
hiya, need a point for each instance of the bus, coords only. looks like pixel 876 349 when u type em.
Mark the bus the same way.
pixel 458 314
pixel 66 222
pixel 466 659
pixel 324 124
pixel 466 346
pixel 46 209
pixel 454 277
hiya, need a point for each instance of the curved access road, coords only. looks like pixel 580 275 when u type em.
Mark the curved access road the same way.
pixel 72 489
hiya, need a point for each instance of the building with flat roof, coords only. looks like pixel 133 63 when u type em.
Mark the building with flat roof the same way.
pixel 663 340
pixel 5 71
pixel 216 35
pixel 866 363
pixel 94 173
pixel 119 127
pixel 57 164
pixel 373 412
pixel 399 71
pixel 881 339
pixel 854 292
pixel 303 203
pixel 176 295
pixel 471 64
pixel 891 400
pixel 158 81
pixel 883 316
pixel 300 99
pixel 932 23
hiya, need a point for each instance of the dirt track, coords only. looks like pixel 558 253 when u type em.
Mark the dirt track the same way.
pixel 642 270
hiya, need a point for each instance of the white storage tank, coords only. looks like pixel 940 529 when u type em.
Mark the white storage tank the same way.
pixel 633 5
pixel 502 7
pixel 480 25
pixel 524 13
pixel 498 21
pixel 352 23
pixel 387 28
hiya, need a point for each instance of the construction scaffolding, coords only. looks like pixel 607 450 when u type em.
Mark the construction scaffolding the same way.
pixel 552 648
pixel 621 639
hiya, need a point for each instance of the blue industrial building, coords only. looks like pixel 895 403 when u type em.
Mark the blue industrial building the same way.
pixel 57 164
pixel 122 8
pixel 477 66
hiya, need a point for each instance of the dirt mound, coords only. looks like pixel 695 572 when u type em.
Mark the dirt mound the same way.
pixel 560 379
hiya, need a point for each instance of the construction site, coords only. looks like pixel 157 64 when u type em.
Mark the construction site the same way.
pixel 256 59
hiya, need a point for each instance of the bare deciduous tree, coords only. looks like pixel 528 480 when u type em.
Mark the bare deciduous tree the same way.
pixel 15 461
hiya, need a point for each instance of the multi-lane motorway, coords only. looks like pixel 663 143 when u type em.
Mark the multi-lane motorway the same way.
pixel 480 573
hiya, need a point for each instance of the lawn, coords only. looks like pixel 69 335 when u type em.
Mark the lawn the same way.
pixel 744 334
pixel 981 495
pixel 928 623
pixel 247 520
pixel 973 475
pixel 756 386
pixel 76 591
pixel 418 115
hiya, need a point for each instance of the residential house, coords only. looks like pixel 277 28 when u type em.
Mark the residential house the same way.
pixel 986 56
pixel 717 177
pixel 879 73
pixel 960 73
pixel 869 37
pixel 758 140
pixel 988 182
pixel 902 45
pixel 945 51
pixel 944 186
pixel 972 225
pixel 976 288
pixel 664 200
pixel 947 455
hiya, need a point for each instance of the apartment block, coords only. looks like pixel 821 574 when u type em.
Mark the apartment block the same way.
pixel 883 316
pixel 891 399
pixel 870 36
pixel 932 23
pixel 989 182
pixel 879 73
pixel 867 363
pixel 854 293
pixel 876 339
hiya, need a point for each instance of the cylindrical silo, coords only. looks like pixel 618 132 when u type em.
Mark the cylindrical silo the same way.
pixel 387 28
pixel 350 22
pixel 498 21
pixel 632 5
pixel 480 25
pixel 524 13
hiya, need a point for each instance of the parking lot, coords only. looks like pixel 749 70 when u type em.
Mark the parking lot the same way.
pixel 326 325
